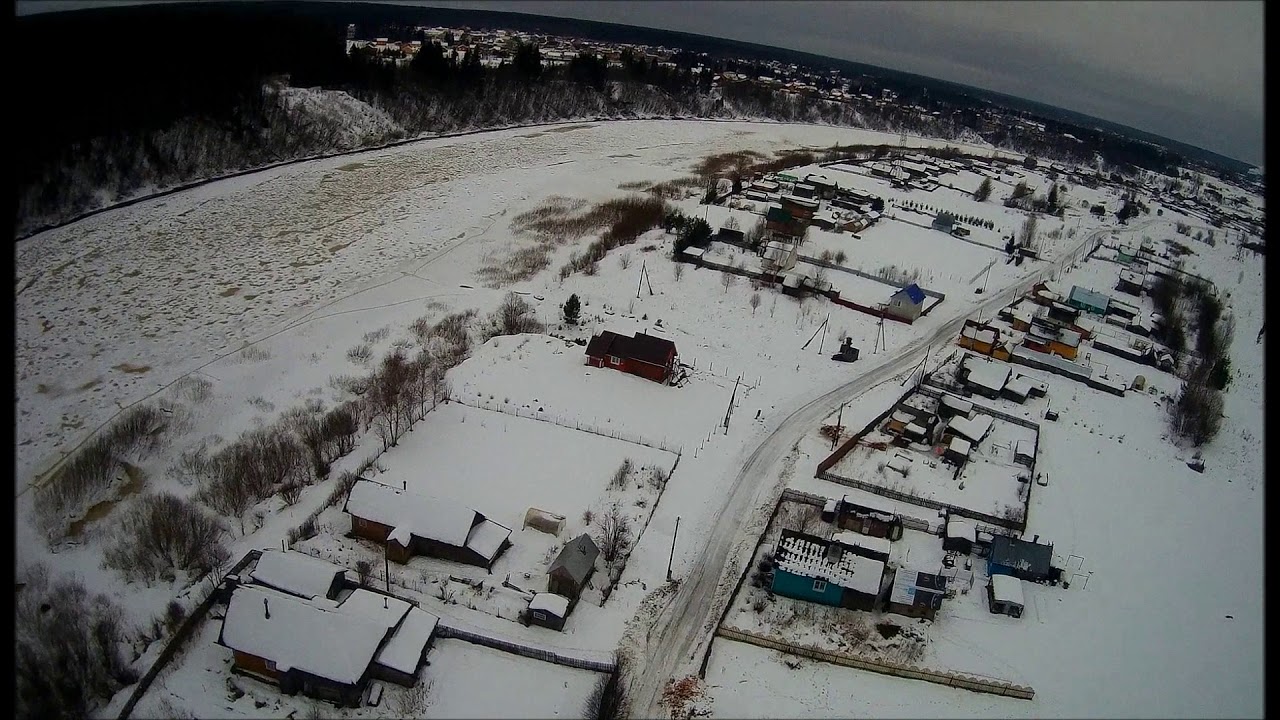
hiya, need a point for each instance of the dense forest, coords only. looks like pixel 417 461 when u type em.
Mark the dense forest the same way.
pixel 168 95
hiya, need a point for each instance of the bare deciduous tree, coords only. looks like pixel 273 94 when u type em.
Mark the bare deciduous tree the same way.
pixel 613 532
pixel 726 280
pixel 755 302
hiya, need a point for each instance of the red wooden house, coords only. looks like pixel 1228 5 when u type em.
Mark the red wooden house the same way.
pixel 644 355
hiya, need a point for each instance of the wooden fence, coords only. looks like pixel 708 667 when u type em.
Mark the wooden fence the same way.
pixel 951 679
pixel 194 619
pixel 632 438
pixel 1018 525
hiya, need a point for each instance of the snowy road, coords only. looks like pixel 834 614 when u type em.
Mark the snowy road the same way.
pixel 687 623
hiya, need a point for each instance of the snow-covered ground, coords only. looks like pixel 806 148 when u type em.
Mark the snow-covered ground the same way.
pixel 1166 594
pixel 255 289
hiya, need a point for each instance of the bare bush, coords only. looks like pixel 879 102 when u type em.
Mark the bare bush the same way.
pixel 620 475
pixel 193 388
pixel 162 534
pixel 413 702
pixel 253 468
pixel 658 478
pixel 678 271
pixel 624 260
pixel 613 532
pixel 377 336
pixel 360 354
pixel 840 257
pixel 364 572
pixel 608 699
pixel 513 316
pixel 67 654
pixel 135 434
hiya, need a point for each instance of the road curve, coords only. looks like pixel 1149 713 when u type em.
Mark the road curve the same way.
pixel 688 621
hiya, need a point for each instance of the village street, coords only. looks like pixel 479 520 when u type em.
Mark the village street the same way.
pixel 687 623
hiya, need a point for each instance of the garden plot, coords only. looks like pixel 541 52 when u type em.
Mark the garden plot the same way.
pixel 570 391
pixel 501 466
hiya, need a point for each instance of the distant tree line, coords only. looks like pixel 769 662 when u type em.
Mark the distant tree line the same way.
pixel 172 96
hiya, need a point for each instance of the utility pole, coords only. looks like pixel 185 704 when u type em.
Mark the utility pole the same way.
pixel 839 419
pixel 386 566
pixel 673 548
pixel 729 410
pixel 824 333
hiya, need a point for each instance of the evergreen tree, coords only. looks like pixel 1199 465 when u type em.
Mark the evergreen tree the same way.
pixel 984 190
pixel 572 309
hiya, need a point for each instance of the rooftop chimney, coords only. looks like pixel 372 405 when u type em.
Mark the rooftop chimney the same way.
pixel 266 609
pixel 1036 539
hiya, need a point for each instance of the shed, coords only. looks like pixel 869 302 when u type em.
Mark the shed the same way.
pixel 944 221
pixel 548 610
pixel 1004 595
pixel 957 452
pixel 915 593
pixel 1020 558
pixel 875 548
pixel 952 406
pixel 960 535
pixel 400 658
pixel 1018 389
pixel 1024 453
pixel 907 303
pixel 298 574
pixel 572 568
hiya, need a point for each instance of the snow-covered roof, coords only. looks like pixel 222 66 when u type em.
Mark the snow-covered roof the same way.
pixel 324 642
pixel 1023 447
pixel 557 605
pixel 960 405
pixel 806 558
pixel 988 374
pixel 961 528
pixel 974 428
pixel 695 252
pixel 295 573
pixel 1006 589
pixel 1022 384
pixel 382 609
pixel 487 537
pixel 960 445
pixel 435 518
pixel 855 539
pixel 403 652
pixel 915 428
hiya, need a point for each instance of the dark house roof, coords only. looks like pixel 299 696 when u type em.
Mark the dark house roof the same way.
pixel 1021 555
pixel 913 292
pixel 577 558
pixel 645 348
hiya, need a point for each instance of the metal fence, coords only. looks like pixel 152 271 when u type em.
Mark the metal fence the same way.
pixel 967 681
pixel 622 435
pixel 443 629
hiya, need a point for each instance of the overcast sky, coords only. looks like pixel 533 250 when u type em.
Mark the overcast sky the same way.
pixel 1191 71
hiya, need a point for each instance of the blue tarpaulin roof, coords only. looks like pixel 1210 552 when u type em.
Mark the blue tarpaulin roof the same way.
pixel 914 292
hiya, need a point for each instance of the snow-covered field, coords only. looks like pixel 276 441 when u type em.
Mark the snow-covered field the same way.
pixel 255 290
